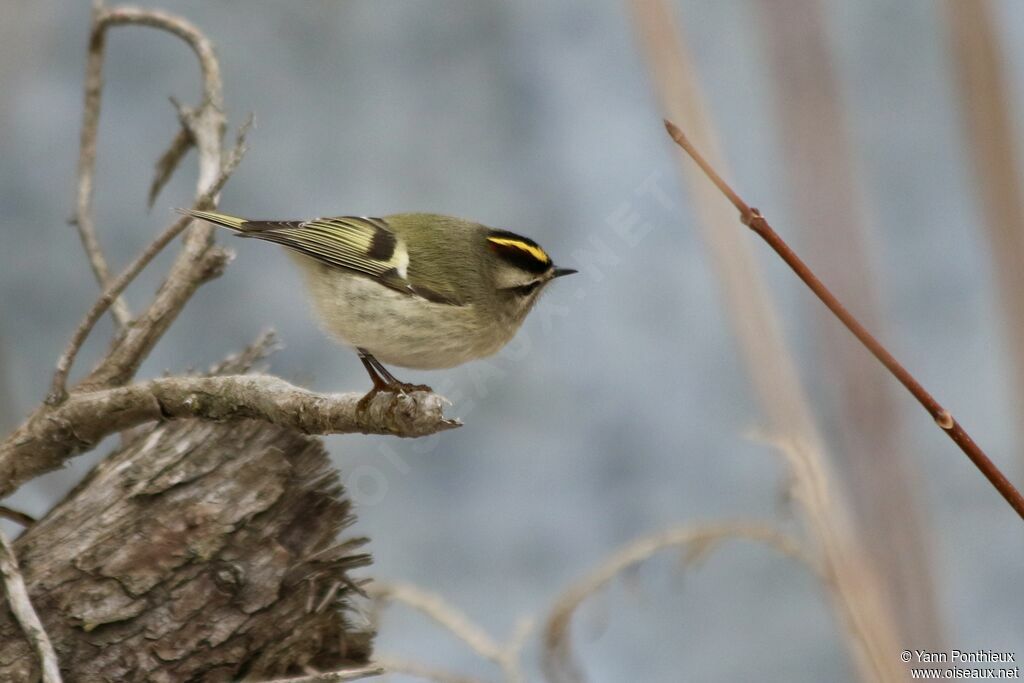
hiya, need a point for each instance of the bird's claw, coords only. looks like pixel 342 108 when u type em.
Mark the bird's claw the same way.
pixel 398 388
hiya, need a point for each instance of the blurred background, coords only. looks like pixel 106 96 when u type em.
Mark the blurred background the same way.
pixel 877 137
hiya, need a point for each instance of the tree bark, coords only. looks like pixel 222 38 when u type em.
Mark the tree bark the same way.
pixel 196 552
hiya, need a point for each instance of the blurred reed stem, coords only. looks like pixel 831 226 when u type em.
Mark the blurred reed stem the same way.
pixel 855 591
pixel 828 207
pixel 988 121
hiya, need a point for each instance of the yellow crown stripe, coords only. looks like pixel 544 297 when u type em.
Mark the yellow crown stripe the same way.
pixel 535 252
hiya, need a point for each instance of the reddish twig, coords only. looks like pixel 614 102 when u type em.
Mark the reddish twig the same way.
pixel 753 219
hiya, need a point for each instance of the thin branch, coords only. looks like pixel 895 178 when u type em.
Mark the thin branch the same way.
pixel 698 541
pixel 207 122
pixel 435 607
pixel 83 219
pixel 51 436
pixel 58 391
pixel 394 665
pixel 168 162
pixel 48 439
pixel 458 624
pixel 753 219
pixel 16 516
pixel 362 672
pixel 198 260
pixel 25 614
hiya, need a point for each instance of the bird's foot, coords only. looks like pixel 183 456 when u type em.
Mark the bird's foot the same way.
pixel 406 388
pixel 402 388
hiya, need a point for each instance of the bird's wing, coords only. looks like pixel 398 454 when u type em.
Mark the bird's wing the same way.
pixel 367 246
pixel 362 245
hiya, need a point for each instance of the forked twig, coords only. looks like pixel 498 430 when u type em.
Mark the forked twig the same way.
pixel 199 259
pixel 25 614
pixel 753 219
pixel 58 387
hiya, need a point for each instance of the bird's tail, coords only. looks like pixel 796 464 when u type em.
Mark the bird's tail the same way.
pixel 235 223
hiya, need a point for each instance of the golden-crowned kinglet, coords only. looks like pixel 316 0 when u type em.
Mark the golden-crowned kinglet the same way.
pixel 415 289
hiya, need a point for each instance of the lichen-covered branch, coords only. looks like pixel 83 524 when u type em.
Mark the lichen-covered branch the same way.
pixel 56 433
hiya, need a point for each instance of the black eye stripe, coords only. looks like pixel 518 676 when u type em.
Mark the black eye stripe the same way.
pixel 527 289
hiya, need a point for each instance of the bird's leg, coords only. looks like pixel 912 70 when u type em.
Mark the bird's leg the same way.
pixel 370 363
pixel 383 380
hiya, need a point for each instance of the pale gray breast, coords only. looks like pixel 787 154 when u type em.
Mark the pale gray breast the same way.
pixel 397 328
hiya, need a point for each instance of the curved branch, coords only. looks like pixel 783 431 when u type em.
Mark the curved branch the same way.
pixel 458 624
pixel 558 664
pixel 82 218
pixel 435 607
pixel 205 125
pixel 52 436
pixel 58 390
pixel 208 142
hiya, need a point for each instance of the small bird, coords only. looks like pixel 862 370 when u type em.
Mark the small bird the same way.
pixel 416 290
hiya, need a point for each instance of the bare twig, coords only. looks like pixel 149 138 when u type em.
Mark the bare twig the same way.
pixel 83 219
pixel 246 359
pixel 753 219
pixel 21 607
pixel 394 665
pixel 51 436
pixel 168 163
pixel 205 125
pixel 198 260
pixel 16 516
pixel 698 540
pixel 362 672
pixel 461 626
pixel 435 607
pixel 58 390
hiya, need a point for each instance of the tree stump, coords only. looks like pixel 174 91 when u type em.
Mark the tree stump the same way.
pixel 196 552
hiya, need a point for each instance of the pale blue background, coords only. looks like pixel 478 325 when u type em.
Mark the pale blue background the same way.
pixel 622 407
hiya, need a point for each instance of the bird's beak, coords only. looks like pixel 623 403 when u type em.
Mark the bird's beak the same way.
pixel 559 272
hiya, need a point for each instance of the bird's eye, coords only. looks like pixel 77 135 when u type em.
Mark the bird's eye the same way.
pixel 527 289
